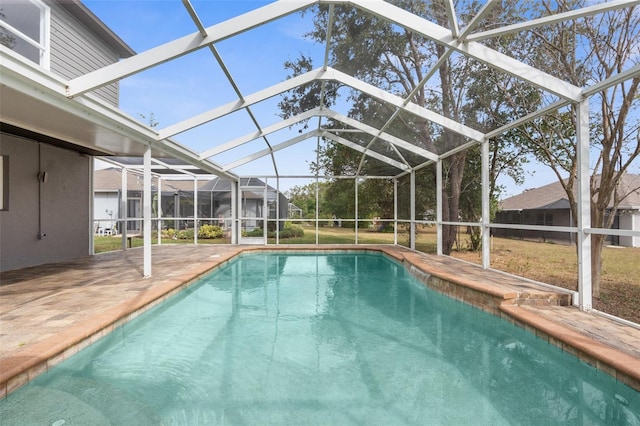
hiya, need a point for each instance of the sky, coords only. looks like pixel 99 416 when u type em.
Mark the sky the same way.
pixel 195 83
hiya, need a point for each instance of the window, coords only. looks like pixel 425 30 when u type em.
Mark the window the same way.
pixel 24 28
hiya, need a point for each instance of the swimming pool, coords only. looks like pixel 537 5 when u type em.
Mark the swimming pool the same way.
pixel 319 339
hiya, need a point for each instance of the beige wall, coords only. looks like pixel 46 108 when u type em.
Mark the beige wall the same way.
pixel 61 204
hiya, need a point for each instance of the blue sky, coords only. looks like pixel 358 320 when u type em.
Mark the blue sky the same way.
pixel 195 83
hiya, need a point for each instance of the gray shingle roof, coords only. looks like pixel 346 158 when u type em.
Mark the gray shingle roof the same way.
pixel 110 180
pixel 553 196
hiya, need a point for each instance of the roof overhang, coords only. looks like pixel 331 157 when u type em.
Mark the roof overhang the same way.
pixel 35 104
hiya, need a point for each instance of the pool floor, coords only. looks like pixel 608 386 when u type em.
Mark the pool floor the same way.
pixel 271 341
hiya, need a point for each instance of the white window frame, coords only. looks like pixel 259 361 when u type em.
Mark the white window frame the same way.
pixel 43 45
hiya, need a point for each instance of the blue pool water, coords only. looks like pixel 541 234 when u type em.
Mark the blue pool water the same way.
pixel 329 339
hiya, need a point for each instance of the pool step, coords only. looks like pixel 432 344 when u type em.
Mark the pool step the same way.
pixel 459 280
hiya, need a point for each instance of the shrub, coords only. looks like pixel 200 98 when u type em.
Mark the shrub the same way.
pixel 258 232
pixel 209 232
pixel 170 233
pixel 187 234
pixel 291 231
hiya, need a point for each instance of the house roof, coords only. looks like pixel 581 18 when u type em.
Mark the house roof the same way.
pixel 110 180
pixel 225 184
pixel 553 196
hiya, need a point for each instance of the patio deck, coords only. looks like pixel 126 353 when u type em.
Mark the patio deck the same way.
pixel 50 312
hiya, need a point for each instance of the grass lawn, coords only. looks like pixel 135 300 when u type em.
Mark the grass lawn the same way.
pixel 545 262
pixel 111 243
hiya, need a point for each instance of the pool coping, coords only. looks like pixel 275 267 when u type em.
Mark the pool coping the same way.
pixel 500 300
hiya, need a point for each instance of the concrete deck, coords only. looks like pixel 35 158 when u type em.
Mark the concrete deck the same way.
pixel 50 312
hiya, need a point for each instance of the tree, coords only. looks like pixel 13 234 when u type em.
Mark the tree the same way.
pixel 304 197
pixel 397 60
pixel 583 52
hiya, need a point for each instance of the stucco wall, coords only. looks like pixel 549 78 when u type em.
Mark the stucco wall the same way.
pixel 63 203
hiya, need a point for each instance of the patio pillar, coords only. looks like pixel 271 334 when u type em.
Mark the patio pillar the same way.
pixel 439 207
pixel 412 213
pixel 146 212
pixel 584 207
pixel 486 207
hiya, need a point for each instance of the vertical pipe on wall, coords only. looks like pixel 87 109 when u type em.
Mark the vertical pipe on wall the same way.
pixel 41 179
pixel 584 207
pixel 439 207
pixel 486 207
pixel 146 212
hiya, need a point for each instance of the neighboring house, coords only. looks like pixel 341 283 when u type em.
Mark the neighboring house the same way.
pixel 549 206
pixel 107 198
pixel 177 201
pixel 252 202
pixel 294 211
pixel 46 183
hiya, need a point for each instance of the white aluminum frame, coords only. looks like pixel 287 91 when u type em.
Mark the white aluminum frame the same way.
pixel 73 97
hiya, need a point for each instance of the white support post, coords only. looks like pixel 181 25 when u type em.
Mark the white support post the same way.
pixel 265 210
pixel 584 207
pixel 412 228
pixel 486 208
pixel 235 203
pixel 395 211
pixel 317 204
pixel 278 211
pixel 159 210
pixel 439 207
pixel 124 195
pixel 92 224
pixel 146 212
pixel 356 210
pixel 195 210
